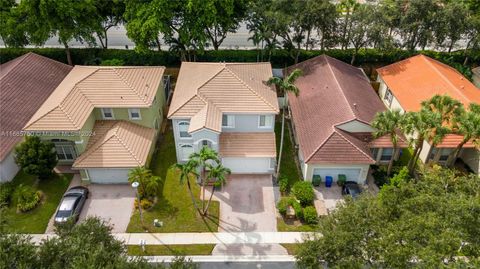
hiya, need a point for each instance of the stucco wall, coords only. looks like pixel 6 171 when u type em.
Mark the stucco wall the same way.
pixel 8 167
pixel 363 169
pixel 249 123
pixel 381 92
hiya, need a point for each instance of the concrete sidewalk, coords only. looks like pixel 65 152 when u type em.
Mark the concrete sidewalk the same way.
pixel 202 238
pixel 226 258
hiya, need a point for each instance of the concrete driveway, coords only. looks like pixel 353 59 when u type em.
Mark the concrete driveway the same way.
pixel 111 202
pixel 247 204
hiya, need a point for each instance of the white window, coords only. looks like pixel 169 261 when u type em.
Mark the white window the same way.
pixel 186 150
pixel 265 121
pixel 444 154
pixel 134 114
pixel 65 151
pixel 387 154
pixel 374 152
pixel 388 96
pixel 228 121
pixel 183 129
pixel 107 114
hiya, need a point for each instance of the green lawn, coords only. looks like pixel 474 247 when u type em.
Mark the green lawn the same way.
pixel 174 206
pixel 171 250
pixel 282 226
pixel 292 249
pixel 36 220
pixel 288 167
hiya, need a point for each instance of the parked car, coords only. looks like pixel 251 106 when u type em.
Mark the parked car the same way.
pixel 351 188
pixel 71 204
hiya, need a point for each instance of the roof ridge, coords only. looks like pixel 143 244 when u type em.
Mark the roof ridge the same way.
pixel 250 88
pixel 173 112
pixel 320 146
pixel 427 59
pixel 124 144
pixel 129 85
pixel 99 142
pixel 353 144
pixel 340 87
pixel 68 115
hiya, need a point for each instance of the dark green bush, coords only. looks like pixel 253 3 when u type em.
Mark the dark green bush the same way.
pixel 310 215
pixel 298 209
pixel 26 198
pixel 316 180
pixel 6 191
pixel 285 202
pixel 303 191
pixel 283 184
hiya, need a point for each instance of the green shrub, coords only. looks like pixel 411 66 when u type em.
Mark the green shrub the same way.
pixel 27 198
pixel 310 215
pixel 283 204
pixel 145 203
pixel 6 191
pixel 112 62
pixel 303 191
pixel 316 180
pixel 283 184
pixel 298 209
pixel 380 176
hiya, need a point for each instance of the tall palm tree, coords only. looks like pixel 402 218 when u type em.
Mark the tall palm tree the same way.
pixel 186 171
pixel 202 158
pixel 467 125
pixel 423 125
pixel 219 173
pixel 386 123
pixel 285 85
pixel 448 108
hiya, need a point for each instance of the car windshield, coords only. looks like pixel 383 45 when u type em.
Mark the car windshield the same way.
pixel 67 203
pixel 64 213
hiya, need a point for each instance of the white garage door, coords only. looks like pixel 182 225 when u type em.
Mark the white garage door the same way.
pixel 106 176
pixel 351 173
pixel 247 165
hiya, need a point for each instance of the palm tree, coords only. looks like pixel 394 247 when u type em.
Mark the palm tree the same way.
pixel 205 156
pixel 386 123
pixel 285 85
pixel 186 170
pixel 467 125
pixel 219 173
pixel 448 108
pixel 423 125
pixel 149 185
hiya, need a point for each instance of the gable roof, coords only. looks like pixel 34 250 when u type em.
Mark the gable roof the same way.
pixel 331 94
pixel 418 78
pixel 25 83
pixel 89 87
pixel 119 144
pixel 210 89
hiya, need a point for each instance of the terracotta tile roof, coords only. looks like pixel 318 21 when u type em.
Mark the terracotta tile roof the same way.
pixel 25 83
pixel 418 78
pixel 222 88
pixel 385 142
pixel 332 93
pixel 453 140
pixel 89 87
pixel 116 144
pixel 247 144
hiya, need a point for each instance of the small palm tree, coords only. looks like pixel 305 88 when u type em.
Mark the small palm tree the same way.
pixel 187 170
pixel 285 85
pixel 467 125
pixel 149 185
pixel 218 173
pixel 386 123
pixel 202 158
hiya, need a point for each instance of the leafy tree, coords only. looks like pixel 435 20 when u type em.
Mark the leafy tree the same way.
pixel 149 185
pixel 12 28
pixel 472 32
pixel 17 251
pixel 324 16
pixel 142 24
pixel 261 22
pixel 218 173
pixel 36 157
pixel 111 12
pixel 429 223
pixel 285 85
pixel 452 24
pixel 345 10
pixel 361 19
pixel 387 123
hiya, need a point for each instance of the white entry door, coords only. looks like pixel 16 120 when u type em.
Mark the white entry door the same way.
pixel 108 176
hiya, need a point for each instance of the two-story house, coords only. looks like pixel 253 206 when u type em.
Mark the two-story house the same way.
pixel 405 84
pixel 331 121
pixel 103 120
pixel 228 107
pixel 25 83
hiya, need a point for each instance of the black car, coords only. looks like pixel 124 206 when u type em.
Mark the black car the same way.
pixel 351 188
pixel 71 204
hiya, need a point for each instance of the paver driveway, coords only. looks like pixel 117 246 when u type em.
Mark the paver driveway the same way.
pixel 247 204
pixel 111 202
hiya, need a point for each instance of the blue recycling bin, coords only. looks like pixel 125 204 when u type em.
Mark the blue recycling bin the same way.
pixel 328 181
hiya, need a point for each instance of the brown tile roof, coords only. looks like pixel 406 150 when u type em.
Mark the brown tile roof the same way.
pixel 116 144
pixel 453 140
pixel 418 78
pixel 385 142
pixel 247 144
pixel 222 88
pixel 25 83
pixel 332 93
pixel 89 87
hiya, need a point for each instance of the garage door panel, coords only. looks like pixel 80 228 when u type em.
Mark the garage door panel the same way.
pixel 247 165
pixel 108 176
pixel 352 173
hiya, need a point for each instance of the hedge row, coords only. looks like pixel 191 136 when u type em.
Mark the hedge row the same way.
pixel 279 58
